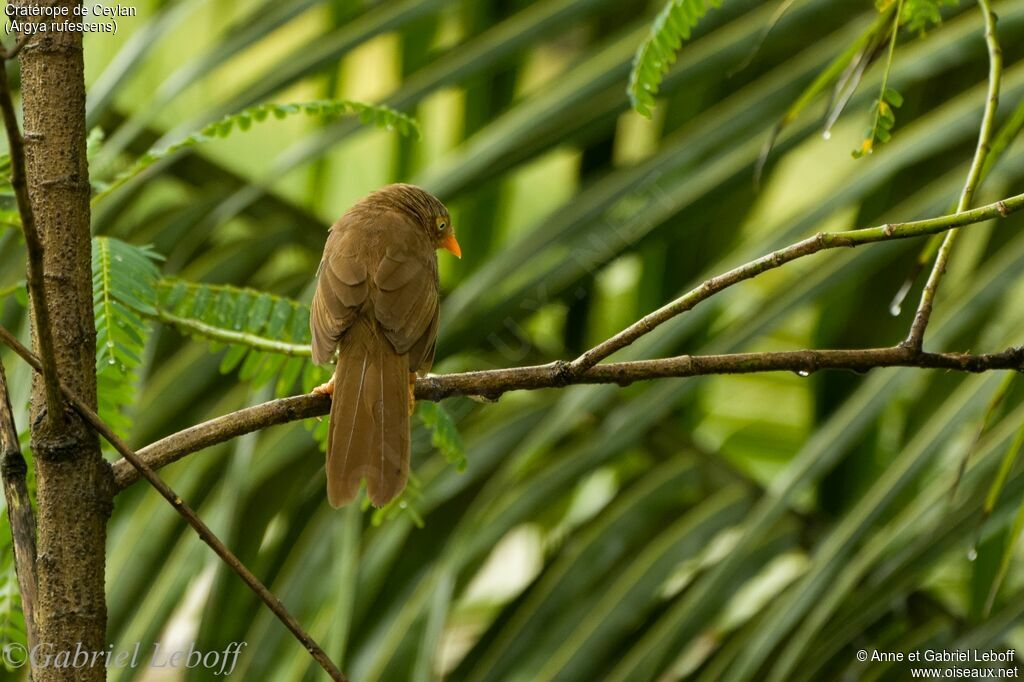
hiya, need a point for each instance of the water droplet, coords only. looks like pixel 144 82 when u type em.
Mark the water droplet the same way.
pixel 803 373
pixel 403 505
pixel 110 344
pixel 972 554
pixel 111 361
pixel 827 135
pixel 118 259
pixel 896 307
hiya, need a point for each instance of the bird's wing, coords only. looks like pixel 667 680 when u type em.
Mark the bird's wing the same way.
pixel 340 291
pixel 405 299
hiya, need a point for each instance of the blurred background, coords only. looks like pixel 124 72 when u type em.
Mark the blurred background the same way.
pixel 745 527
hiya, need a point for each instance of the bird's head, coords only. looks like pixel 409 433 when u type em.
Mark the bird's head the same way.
pixel 424 208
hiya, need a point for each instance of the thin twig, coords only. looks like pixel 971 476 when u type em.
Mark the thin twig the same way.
pixel 493 383
pixel 819 242
pixel 18 46
pixel 34 246
pixel 915 339
pixel 19 510
pixel 189 515
pixel 806 247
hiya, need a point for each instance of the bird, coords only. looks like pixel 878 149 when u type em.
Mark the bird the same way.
pixel 376 305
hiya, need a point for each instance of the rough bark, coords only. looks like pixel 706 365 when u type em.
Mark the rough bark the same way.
pixel 74 483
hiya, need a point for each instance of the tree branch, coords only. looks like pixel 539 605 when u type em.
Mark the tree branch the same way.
pixel 915 339
pixel 819 242
pixel 811 245
pixel 493 383
pixel 19 510
pixel 585 370
pixel 189 515
pixel 19 182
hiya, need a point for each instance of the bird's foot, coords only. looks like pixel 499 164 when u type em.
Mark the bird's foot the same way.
pixel 325 389
pixel 412 392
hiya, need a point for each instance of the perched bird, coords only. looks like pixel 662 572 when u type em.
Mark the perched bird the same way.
pixel 376 304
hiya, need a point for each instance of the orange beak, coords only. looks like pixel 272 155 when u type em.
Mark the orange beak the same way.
pixel 449 243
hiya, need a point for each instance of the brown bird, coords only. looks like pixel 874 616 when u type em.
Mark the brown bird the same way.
pixel 376 304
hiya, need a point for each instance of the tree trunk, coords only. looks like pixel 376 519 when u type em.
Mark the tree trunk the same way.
pixel 74 483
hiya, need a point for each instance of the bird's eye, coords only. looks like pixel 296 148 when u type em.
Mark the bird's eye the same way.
pixel 441 225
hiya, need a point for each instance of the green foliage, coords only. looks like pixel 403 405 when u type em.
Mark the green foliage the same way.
pixel 124 280
pixel 369 114
pixel 443 433
pixel 920 15
pixel 12 619
pixel 404 504
pixel 9 216
pixel 673 25
pixel 1016 530
pixel 1006 466
pixel 884 120
pixel 266 336
pixel 738 528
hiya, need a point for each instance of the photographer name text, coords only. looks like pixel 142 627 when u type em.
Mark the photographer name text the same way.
pixel 221 662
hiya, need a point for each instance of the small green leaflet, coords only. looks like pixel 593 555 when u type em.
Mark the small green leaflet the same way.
pixel 444 435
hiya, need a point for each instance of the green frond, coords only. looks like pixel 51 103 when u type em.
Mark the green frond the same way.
pixel 328 109
pixel 673 25
pixel 267 337
pixel 124 279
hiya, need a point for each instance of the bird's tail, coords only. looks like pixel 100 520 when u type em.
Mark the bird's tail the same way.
pixel 369 430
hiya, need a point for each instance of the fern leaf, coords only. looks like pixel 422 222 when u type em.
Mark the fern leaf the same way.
pixel 369 114
pixel 124 279
pixel 673 25
pixel 265 336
